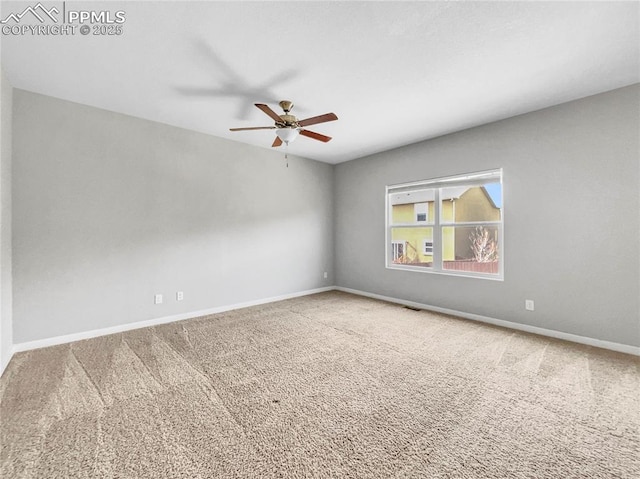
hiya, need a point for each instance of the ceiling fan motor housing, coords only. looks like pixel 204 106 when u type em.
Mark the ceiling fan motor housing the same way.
pixel 288 121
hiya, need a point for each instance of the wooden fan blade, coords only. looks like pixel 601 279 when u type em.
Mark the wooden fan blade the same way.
pixel 277 142
pixel 269 111
pixel 254 128
pixel 314 135
pixel 318 119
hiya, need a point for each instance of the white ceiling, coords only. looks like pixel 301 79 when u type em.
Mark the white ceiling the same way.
pixel 394 72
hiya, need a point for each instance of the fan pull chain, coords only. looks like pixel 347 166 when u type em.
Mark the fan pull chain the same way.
pixel 286 153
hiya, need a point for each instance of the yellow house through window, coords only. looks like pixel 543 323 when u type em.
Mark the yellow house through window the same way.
pixel 450 225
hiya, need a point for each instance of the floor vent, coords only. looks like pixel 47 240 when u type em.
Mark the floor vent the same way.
pixel 412 308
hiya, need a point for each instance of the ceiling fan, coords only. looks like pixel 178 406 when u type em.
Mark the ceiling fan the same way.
pixel 288 127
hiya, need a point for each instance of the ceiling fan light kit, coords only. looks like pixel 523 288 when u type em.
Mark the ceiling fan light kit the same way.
pixel 288 127
pixel 288 134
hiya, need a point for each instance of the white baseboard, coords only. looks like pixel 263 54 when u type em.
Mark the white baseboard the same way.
pixel 43 343
pixel 3 365
pixel 623 348
pixel 69 338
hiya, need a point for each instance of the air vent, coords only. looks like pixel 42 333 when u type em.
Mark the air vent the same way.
pixel 412 308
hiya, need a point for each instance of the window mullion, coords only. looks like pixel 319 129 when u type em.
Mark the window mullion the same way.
pixel 437 232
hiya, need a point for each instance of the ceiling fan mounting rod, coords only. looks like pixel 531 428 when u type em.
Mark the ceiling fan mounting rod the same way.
pixel 286 105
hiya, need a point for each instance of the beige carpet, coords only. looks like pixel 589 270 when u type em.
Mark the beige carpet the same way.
pixel 326 386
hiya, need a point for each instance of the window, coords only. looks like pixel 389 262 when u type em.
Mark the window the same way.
pixel 421 211
pixel 450 225
pixel 397 250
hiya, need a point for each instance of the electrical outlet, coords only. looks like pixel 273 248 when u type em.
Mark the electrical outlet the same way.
pixel 157 299
pixel 179 296
pixel 528 304
pixel 325 275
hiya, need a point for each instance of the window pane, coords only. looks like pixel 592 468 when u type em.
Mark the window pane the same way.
pixel 471 203
pixel 408 246
pixel 469 248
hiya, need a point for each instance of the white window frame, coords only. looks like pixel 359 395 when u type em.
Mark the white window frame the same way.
pixel 468 179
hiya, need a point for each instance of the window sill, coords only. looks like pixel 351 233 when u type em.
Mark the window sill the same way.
pixel 464 274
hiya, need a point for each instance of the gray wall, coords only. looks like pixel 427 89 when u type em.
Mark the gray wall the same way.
pixel 6 342
pixel 109 210
pixel 571 190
